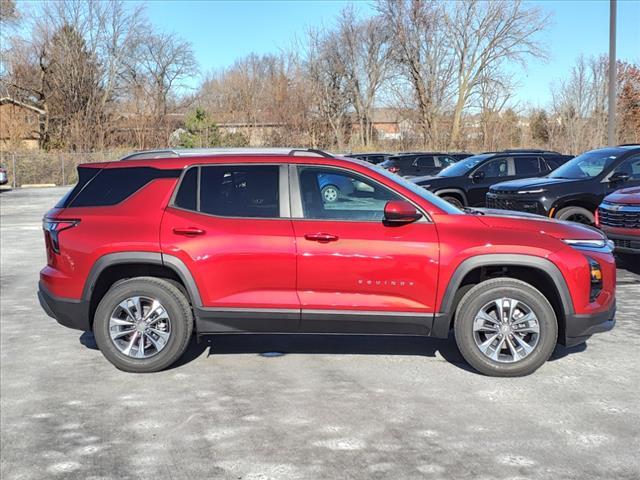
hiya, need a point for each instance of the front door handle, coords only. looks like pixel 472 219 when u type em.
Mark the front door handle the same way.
pixel 188 231
pixel 321 237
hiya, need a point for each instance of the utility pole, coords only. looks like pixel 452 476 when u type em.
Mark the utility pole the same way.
pixel 611 123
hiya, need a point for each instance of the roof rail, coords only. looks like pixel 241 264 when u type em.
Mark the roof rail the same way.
pixel 321 153
pixel 191 152
pixel 151 154
pixel 528 150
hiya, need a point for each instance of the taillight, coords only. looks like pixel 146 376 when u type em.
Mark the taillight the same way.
pixel 598 217
pixel 52 228
pixel 394 169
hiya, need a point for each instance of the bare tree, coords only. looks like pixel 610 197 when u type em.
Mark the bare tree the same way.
pixel 364 52
pixel 494 95
pixel 8 12
pixel 69 63
pixel 579 107
pixel 484 35
pixel 421 58
pixel 328 81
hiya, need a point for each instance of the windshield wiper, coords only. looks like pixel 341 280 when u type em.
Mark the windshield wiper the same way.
pixel 472 211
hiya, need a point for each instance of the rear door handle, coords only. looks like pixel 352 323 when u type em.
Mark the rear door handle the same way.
pixel 188 231
pixel 321 237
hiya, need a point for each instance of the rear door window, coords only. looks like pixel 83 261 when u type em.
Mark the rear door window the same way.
pixel 527 165
pixel 250 191
pixel 425 161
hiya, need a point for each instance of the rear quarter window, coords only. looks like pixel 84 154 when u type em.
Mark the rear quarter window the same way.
pixel 111 186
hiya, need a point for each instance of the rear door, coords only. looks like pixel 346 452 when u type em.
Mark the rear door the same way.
pixel 230 226
pixel 356 274
pixel 424 165
pixel 529 166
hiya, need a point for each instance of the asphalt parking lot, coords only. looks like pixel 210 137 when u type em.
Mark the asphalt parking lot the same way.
pixel 292 407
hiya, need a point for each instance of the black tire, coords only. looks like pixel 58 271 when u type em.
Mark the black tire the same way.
pixel 488 291
pixel 177 307
pixel 455 201
pixel 576 214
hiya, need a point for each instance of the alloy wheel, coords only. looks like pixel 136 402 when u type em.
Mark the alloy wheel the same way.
pixel 139 327
pixel 506 330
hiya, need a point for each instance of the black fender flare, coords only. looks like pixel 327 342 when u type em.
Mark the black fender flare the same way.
pixel 442 320
pixel 152 258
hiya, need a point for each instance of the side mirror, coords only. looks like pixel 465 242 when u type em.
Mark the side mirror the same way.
pixel 400 212
pixel 477 176
pixel 619 177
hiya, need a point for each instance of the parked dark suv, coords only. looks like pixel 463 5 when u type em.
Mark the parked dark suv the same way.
pixel 467 182
pixel 144 252
pixel 417 164
pixel 374 158
pixel 573 191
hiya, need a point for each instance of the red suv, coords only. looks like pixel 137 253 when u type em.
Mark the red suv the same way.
pixel 146 250
pixel 619 218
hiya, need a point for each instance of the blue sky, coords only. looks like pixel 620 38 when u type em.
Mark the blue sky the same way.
pixel 222 31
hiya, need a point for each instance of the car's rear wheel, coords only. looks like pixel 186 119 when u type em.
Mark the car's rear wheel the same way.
pixel 455 201
pixel 143 324
pixel 505 327
pixel 330 193
pixel 576 214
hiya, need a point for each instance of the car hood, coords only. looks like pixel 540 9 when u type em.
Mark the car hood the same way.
pixel 429 179
pixel 510 220
pixel 533 183
pixel 627 196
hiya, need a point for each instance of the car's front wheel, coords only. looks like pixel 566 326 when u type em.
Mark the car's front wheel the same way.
pixel 576 214
pixel 505 327
pixel 455 201
pixel 143 324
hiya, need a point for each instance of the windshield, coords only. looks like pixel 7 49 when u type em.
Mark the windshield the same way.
pixel 418 190
pixel 462 167
pixel 588 165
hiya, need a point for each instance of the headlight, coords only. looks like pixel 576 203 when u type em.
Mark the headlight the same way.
pixel 595 274
pixel 539 190
pixel 425 186
pixel 585 243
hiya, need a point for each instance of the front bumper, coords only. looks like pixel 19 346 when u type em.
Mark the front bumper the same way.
pixel 518 203
pixel 578 328
pixel 624 243
pixel 68 312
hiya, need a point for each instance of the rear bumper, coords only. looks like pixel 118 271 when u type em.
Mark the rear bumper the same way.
pixel 68 312
pixel 580 327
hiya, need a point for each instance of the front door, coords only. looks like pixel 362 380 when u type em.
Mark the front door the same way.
pixel 356 274
pixel 229 225
pixel 494 171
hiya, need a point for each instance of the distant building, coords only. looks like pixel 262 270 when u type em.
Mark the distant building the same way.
pixel 21 124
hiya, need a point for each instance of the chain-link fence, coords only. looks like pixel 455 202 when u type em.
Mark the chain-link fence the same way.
pixel 29 167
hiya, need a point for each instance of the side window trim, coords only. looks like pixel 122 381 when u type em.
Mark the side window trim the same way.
pixel 283 190
pixel 616 165
pixel 297 212
pixel 511 168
